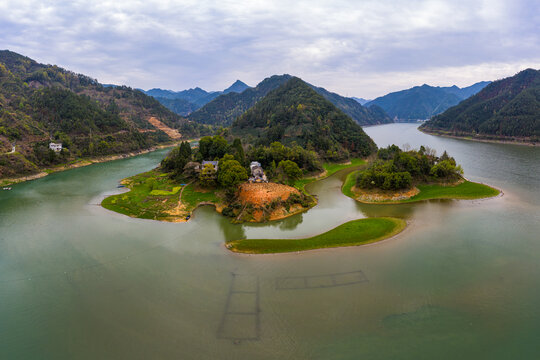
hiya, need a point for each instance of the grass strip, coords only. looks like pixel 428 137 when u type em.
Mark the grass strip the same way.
pixel 352 233
pixel 466 190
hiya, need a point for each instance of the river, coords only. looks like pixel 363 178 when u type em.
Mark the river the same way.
pixel 462 281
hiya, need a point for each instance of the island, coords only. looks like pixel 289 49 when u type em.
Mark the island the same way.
pixel 398 176
pixel 250 193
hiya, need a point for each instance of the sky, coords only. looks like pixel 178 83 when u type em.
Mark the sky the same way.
pixel 355 48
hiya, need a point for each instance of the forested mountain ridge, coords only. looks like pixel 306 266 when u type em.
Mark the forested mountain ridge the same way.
pixel 504 109
pixel 43 103
pixel 225 108
pixel 294 113
pixel 363 115
pixel 423 102
pixel 187 101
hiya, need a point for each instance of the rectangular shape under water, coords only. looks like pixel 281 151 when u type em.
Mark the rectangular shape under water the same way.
pixel 240 319
pixel 320 281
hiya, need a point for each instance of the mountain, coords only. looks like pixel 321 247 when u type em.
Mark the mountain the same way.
pixel 186 101
pixel 295 113
pixel 362 115
pixel 468 91
pixel 43 103
pixel 225 108
pixel 422 102
pixel 179 106
pixel 507 108
pixel 362 101
pixel 237 87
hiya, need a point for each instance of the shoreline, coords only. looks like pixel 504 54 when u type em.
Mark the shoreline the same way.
pixel 80 163
pixel 470 138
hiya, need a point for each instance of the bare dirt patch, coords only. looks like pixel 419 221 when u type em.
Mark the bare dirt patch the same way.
pixel 173 134
pixel 264 193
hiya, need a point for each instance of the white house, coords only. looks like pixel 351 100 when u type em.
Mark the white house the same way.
pixel 257 173
pixel 56 147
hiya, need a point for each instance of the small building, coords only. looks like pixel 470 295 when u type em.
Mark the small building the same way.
pixel 257 173
pixel 55 147
pixel 213 163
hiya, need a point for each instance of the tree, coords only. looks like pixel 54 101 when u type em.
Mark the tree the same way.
pixel 219 147
pixel 231 173
pixel 290 170
pixel 177 158
pixel 205 145
pixel 239 151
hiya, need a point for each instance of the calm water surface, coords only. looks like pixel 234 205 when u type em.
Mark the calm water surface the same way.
pixel 463 281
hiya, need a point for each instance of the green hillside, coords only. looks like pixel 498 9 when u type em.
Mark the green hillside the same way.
pixel 43 103
pixel 363 115
pixel 295 113
pixel 508 108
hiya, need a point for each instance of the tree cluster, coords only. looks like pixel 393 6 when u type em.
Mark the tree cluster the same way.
pixel 395 169
pixel 280 163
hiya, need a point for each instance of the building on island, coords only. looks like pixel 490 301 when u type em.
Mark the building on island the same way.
pixel 55 147
pixel 257 173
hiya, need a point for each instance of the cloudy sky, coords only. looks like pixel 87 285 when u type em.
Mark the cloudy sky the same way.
pixel 356 48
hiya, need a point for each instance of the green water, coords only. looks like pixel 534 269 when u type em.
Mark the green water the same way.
pixel 462 281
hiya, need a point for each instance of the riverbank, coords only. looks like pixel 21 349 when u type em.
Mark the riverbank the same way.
pixel 352 233
pixel 462 190
pixel 479 138
pixel 80 163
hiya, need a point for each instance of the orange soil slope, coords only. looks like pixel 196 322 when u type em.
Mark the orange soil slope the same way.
pixel 263 193
pixel 173 134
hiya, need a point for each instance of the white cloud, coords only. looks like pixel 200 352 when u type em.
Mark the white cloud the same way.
pixel 361 48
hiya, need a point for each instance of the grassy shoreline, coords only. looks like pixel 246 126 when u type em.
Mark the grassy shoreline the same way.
pixel 352 233
pixel 466 190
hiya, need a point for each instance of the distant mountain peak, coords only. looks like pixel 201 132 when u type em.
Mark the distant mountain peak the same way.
pixel 238 86
pixel 422 102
